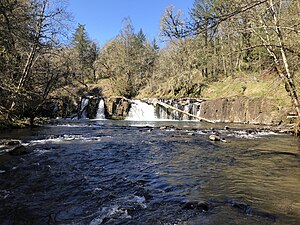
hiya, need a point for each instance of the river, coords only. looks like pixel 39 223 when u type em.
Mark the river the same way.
pixel 124 172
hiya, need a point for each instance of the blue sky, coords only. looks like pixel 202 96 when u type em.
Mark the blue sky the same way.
pixel 103 18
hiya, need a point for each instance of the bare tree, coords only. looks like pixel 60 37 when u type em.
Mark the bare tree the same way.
pixel 44 29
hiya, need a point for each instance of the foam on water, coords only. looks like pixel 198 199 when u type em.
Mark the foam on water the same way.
pixel 252 135
pixel 108 213
pixel 64 138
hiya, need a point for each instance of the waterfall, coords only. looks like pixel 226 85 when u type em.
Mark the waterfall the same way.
pixel 141 111
pixel 186 108
pixel 83 108
pixel 187 105
pixel 100 111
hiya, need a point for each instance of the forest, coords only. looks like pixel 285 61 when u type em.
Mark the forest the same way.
pixel 250 47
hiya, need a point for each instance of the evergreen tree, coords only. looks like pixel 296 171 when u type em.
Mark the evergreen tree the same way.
pixel 85 55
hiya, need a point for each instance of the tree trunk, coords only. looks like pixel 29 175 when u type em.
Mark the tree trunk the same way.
pixel 288 75
pixel 181 111
pixel 32 54
pixel 230 57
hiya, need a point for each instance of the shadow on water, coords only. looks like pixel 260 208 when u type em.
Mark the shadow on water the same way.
pixel 123 172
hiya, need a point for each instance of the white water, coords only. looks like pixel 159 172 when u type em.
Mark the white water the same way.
pixel 141 111
pixel 83 106
pixel 100 111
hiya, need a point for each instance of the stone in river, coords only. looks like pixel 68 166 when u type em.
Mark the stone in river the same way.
pixel 202 205
pixel 13 142
pixel 213 137
pixel 18 150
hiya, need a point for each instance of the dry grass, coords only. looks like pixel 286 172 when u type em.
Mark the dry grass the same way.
pixel 250 85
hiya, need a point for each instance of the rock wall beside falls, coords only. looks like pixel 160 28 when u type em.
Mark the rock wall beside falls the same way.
pixel 187 105
pixel 116 107
pixel 93 107
pixel 243 110
pixel 234 110
pixel 88 107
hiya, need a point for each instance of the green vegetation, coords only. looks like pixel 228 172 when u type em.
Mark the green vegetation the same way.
pixel 222 49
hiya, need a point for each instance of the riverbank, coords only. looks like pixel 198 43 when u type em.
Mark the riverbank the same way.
pixel 22 123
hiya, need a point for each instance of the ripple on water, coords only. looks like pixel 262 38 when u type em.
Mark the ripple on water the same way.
pixel 132 175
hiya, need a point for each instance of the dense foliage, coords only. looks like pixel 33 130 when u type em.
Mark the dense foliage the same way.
pixel 217 39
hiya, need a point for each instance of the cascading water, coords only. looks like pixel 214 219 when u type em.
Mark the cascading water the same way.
pixel 187 110
pixel 83 108
pixel 141 111
pixel 188 106
pixel 100 111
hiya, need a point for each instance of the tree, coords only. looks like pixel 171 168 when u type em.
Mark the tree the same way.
pixel 275 27
pixel 128 60
pixel 85 54
pixel 172 25
pixel 32 28
pixel 245 26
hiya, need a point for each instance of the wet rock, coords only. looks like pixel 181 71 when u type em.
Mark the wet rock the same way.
pixel 245 208
pixel 200 205
pixel 214 137
pixel 12 142
pixel 163 128
pixel 249 131
pixel 168 127
pixel 18 150
pixel 129 209
pixel 224 140
pixel 7 145
pixel 226 128
pixel 116 108
pixel 242 206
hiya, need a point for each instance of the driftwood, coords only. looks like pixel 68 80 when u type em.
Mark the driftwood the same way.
pixel 121 97
pixel 181 111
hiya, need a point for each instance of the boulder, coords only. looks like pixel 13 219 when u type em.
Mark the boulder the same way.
pixel 11 142
pixel 18 150
pixel 214 137
pixel 200 205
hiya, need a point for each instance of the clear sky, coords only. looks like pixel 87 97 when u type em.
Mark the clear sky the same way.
pixel 103 18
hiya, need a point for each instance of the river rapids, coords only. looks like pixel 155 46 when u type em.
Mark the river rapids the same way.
pixel 125 172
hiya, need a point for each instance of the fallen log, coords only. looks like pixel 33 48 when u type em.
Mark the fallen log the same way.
pixel 181 111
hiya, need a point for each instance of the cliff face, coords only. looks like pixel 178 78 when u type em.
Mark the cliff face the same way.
pixel 233 110
pixel 116 108
pixel 242 110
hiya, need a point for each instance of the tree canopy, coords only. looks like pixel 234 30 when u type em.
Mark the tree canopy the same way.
pixel 218 39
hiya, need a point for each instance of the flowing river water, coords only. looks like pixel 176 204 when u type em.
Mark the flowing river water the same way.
pixel 124 172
